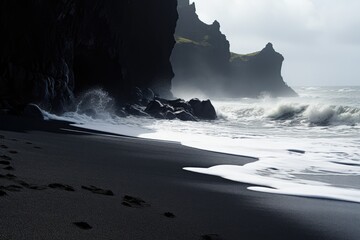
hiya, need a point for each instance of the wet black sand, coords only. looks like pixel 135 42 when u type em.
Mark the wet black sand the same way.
pixel 60 184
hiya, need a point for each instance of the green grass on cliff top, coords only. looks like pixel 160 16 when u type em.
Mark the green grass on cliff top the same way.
pixel 182 40
pixel 242 57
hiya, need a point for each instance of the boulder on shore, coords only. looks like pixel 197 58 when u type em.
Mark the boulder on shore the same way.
pixel 32 110
pixel 179 108
pixel 203 109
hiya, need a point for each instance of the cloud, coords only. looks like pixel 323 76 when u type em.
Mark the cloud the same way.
pixel 311 34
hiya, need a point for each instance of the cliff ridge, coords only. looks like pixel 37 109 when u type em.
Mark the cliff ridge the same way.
pixel 202 60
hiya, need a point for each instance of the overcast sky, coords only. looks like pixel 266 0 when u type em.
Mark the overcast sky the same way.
pixel 320 39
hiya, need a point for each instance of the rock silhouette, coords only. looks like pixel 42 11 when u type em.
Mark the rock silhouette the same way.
pixel 202 60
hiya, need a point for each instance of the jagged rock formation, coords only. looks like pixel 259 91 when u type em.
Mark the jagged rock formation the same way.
pixel 51 50
pixel 201 59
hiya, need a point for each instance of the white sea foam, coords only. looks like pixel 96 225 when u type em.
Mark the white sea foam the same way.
pixel 324 124
pixel 273 184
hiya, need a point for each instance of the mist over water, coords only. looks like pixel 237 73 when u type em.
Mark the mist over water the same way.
pixel 306 146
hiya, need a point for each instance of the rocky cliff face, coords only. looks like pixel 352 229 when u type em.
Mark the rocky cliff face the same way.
pixel 202 59
pixel 257 73
pixel 51 50
pixel 201 55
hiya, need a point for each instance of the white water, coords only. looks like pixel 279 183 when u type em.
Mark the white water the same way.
pixel 324 122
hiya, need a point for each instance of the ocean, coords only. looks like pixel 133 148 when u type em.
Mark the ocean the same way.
pixel 305 146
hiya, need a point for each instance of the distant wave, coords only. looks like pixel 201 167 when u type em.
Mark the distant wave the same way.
pixel 345 90
pixel 294 114
pixel 321 115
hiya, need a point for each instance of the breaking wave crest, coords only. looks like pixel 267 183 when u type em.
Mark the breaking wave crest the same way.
pixel 295 113
pixel 295 156
pixel 319 115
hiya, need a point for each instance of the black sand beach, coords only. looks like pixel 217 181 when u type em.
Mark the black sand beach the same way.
pixel 58 183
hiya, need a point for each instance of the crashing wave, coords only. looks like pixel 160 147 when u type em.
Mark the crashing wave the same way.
pixel 319 115
pixel 296 113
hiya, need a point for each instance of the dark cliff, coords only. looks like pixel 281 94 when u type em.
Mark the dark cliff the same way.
pixel 256 73
pixel 51 50
pixel 202 59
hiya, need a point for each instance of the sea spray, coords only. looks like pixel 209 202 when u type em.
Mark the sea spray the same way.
pixel 96 103
pixel 322 125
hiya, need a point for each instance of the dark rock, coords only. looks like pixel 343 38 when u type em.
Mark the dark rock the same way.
pixel 33 111
pixel 203 109
pixel 51 50
pixel 167 108
pixel 158 110
pixel 186 111
pixel 136 95
pixel 4 111
pixel 258 73
pixel 180 104
pixel 185 116
pixel 148 96
pixel 159 115
pixel 136 111
pixel 169 115
pixel 154 107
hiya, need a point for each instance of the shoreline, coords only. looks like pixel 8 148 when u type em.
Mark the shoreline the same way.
pixel 203 206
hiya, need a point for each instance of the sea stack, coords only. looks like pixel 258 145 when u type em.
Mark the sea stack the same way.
pixel 202 60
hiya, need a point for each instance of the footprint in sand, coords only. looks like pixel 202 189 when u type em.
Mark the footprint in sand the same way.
pixel 13 152
pixel 29 185
pixel 2 193
pixel 36 147
pixel 11 188
pixel 9 168
pixel 210 237
pixel 29 143
pixel 36 187
pixel 169 215
pixel 32 186
pixel 134 202
pixel 83 225
pixel 4 163
pixel 6 158
pixel 24 184
pixel 61 187
pixel 4 146
pixel 97 190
